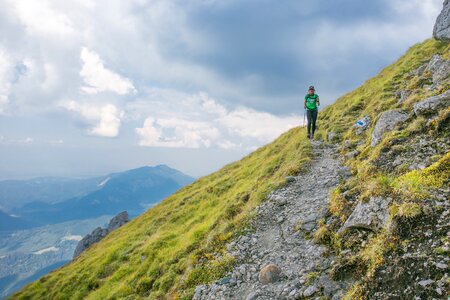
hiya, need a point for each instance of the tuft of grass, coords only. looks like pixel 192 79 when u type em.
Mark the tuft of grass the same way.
pixel 416 184
pixel 356 292
pixel 373 253
pixel 338 204
pixel 378 186
pixel 407 210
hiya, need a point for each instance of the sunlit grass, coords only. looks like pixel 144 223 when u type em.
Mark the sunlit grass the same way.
pixel 179 243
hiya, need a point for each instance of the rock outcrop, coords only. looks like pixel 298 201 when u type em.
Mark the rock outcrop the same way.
pixel 432 105
pixel 118 221
pixel 439 67
pixel 99 233
pixel 372 215
pixel 442 26
pixel 387 122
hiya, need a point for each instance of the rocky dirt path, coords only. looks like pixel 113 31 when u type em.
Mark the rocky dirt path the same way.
pixel 274 260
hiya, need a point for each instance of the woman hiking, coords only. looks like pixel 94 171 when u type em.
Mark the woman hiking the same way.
pixel 311 102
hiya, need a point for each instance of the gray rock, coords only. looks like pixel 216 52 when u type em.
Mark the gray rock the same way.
pixel 99 233
pixel 439 67
pixel 118 221
pixel 310 291
pixel 252 296
pixel 224 280
pixel 344 172
pixel 198 292
pixel 269 274
pixel 426 282
pixel 372 215
pixel 387 122
pixel 329 286
pixel 94 237
pixel 441 266
pixel 441 29
pixel 290 179
pixel 402 95
pixel 433 104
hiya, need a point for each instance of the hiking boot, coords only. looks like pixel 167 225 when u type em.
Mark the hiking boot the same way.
pixel 312 136
pixel 309 136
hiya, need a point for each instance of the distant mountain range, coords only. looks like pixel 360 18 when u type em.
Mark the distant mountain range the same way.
pixel 134 190
pixel 16 193
pixel 43 219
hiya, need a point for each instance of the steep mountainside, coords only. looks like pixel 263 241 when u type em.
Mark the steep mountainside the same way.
pixel 386 226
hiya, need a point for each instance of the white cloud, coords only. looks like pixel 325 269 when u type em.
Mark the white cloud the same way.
pixel 176 133
pixel 40 18
pixel 5 80
pixel 106 119
pixel 179 120
pixel 262 126
pixel 99 79
pixel 27 140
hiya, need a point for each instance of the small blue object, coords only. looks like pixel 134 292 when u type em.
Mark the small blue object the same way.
pixel 360 123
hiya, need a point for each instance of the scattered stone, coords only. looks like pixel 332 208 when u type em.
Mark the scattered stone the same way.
pixel 328 285
pixel 424 283
pixel 224 280
pixel 273 257
pixel 372 215
pixel 269 274
pixel 310 290
pixel 290 179
pixel 252 296
pixel 441 30
pixel 387 122
pixel 433 104
pixel 344 172
pixel 441 266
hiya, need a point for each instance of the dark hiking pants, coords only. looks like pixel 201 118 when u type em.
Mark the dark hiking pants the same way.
pixel 311 115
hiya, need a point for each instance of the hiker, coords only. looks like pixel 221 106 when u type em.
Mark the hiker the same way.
pixel 311 102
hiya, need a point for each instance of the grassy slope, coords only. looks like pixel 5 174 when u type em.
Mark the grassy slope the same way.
pixel 179 243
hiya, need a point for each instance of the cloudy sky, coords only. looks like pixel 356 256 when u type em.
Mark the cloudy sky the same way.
pixel 89 87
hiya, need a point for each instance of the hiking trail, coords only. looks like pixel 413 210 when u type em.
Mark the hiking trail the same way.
pixel 278 239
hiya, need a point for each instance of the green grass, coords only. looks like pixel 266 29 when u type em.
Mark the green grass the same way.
pixel 179 243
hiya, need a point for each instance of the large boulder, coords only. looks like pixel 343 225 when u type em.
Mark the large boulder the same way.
pixel 441 29
pixel 269 274
pixel 387 122
pixel 439 68
pixel 433 104
pixel 99 233
pixel 372 215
